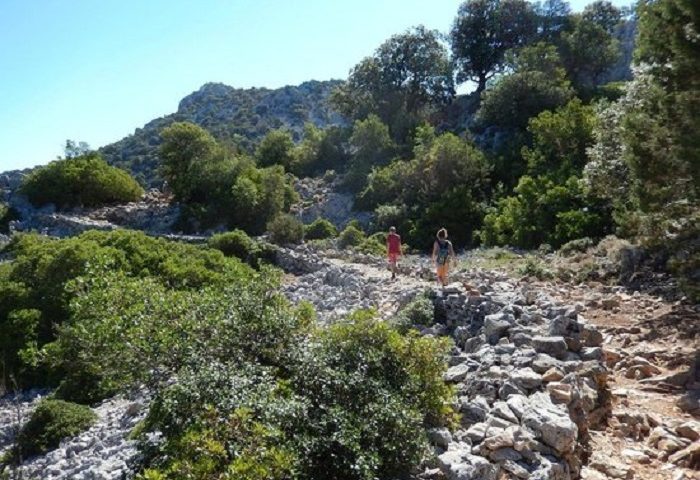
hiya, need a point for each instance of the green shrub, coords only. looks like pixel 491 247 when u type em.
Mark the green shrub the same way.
pixel 39 283
pixel 286 229
pixel 419 312
pixel 7 214
pixel 81 181
pixel 236 243
pixel 350 237
pixel 375 244
pixel 320 229
pixel 51 422
pixel 535 268
pixel 578 245
pixel 353 404
pixel 374 391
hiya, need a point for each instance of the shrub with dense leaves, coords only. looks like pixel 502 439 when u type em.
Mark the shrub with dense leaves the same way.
pixel 443 185
pixel 543 212
pixel 353 404
pixel 52 421
pixel 351 236
pixel 285 229
pixel 320 229
pixel 236 243
pixel 80 181
pixel 38 284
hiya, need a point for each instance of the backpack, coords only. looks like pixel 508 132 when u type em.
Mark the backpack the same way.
pixel 443 251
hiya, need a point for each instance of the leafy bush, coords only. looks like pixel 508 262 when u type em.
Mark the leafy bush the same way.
pixel 351 236
pixel 577 245
pixel 320 229
pixel 285 229
pixel 373 389
pixel 233 244
pixel 276 148
pixel 419 312
pixel 81 181
pixel 7 214
pixel 544 212
pixel 352 405
pixel 535 268
pixel 442 185
pixel 51 422
pixel 39 283
pixel 375 244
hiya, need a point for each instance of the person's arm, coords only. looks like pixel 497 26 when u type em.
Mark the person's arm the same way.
pixel 451 252
pixel 435 248
pixel 400 247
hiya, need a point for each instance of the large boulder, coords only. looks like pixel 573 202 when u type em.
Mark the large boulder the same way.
pixel 550 422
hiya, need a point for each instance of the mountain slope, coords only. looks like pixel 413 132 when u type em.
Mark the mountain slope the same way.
pixel 232 115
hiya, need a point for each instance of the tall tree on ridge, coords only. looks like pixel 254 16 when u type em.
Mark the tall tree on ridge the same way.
pixel 484 31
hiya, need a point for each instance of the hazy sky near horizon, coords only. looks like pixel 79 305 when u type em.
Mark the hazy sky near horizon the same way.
pixel 94 71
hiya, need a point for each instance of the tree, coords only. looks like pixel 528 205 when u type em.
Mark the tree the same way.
pixel 371 146
pixel 552 18
pixel 409 75
pixel 484 31
pixel 184 146
pixel 604 14
pixel 537 84
pixel 587 52
pixel 276 148
pixel 559 141
pixel 73 149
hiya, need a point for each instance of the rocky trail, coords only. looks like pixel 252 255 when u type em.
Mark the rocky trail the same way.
pixel 642 419
pixel 554 380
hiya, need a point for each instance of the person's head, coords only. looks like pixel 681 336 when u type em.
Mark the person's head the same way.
pixel 442 234
pixel 392 229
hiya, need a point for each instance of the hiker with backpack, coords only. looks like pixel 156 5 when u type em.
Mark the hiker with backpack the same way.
pixel 442 253
pixel 393 247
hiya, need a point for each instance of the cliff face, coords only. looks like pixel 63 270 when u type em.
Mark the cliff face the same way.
pixel 240 116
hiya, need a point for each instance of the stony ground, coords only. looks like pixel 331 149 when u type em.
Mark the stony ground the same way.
pixel 529 367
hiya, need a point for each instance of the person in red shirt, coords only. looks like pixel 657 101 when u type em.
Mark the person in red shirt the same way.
pixel 393 247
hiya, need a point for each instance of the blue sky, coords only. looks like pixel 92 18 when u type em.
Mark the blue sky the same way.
pixel 94 70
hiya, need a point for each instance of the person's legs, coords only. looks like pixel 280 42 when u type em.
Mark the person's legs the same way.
pixel 441 274
pixel 393 258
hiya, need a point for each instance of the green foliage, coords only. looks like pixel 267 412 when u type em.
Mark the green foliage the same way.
pixel 185 148
pixel 407 78
pixel 220 187
pixel 351 236
pixel 7 214
pixel 286 229
pixel 351 402
pixel 418 312
pixel 578 245
pixel 535 268
pixel 375 244
pixel 51 422
pixel 544 212
pixel 371 146
pixel 276 148
pixel 442 185
pixel 321 150
pixel 320 229
pixel 38 285
pixel 484 31
pixel 362 370
pixel 588 50
pixel 80 181
pixel 560 139
pixel 234 244
pixel 534 86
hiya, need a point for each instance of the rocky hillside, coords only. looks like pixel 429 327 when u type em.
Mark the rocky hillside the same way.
pixel 232 115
